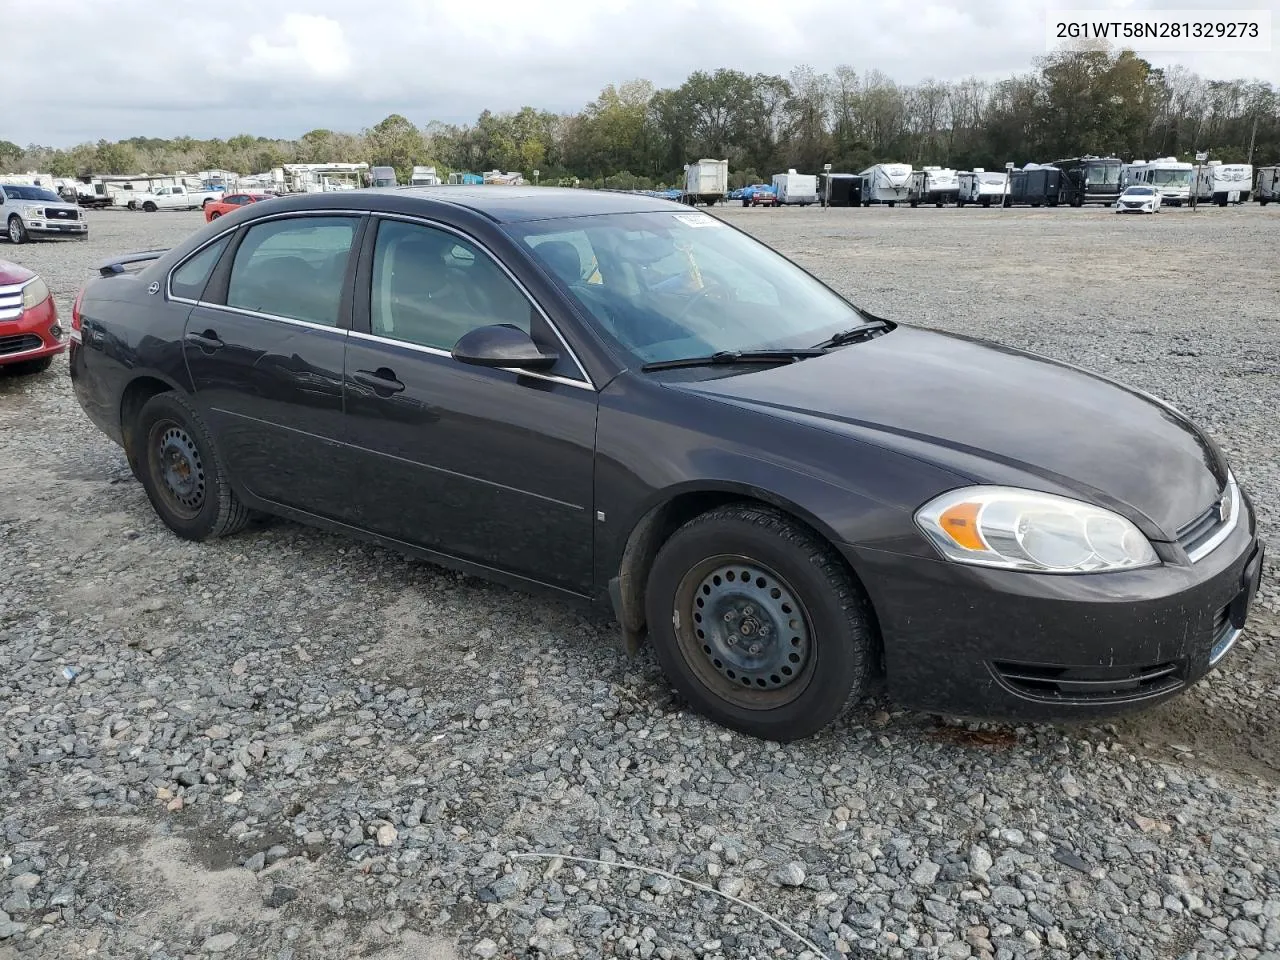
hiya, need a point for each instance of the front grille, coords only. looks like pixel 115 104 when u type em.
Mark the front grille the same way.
pixel 53 213
pixel 1089 684
pixel 19 343
pixel 10 302
pixel 1201 531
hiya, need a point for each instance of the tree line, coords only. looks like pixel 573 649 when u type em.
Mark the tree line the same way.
pixel 1097 101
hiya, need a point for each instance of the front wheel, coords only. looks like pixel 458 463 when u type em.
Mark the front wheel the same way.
pixel 149 207
pixel 181 472
pixel 757 623
pixel 18 230
pixel 214 216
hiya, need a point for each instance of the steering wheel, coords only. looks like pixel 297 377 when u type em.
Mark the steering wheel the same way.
pixel 708 290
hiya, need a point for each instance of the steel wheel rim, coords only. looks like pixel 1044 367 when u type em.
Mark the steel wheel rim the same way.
pixel 745 632
pixel 178 467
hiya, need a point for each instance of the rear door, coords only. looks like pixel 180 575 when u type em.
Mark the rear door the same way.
pixel 264 345
pixel 490 465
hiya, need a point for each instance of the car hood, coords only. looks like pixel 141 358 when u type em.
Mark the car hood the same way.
pixel 11 273
pixel 998 415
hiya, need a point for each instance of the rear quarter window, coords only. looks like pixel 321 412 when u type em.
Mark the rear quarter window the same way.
pixel 188 281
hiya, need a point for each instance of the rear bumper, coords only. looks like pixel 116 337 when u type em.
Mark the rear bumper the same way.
pixel 973 642
pixel 35 334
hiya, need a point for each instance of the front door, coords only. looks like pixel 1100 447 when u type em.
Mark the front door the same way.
pixel 264 347
pixel 488 465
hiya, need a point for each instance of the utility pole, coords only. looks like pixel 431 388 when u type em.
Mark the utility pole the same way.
pixel 1253 136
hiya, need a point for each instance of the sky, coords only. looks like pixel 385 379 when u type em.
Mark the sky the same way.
pixel 278 68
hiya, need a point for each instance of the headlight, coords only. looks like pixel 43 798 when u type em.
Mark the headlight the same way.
pixel 1025 530
pixel 34 293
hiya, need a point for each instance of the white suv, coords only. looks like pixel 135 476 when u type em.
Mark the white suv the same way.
pixel 26 212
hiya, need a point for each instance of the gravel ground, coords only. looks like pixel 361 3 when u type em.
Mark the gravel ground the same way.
pixel 289 745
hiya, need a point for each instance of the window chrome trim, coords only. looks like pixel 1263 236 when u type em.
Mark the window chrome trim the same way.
pixel 168 289
pixel 1224 531
pixel 271 316
pixel 437 225
pixel 437 352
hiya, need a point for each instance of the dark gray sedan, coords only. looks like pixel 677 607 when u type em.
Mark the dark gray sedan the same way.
pixel 628 402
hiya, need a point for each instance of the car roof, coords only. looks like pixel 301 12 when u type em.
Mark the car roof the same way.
pixel 501 204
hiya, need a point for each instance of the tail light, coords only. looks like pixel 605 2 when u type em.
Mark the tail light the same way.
pixel 75 317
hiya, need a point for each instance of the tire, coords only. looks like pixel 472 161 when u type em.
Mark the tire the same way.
pixel 214 216
pixel 914 204
pixel 195 502
pixel 17 231
pixel 892 202
pixel 27 368
pixel 829 645
pixel 149 207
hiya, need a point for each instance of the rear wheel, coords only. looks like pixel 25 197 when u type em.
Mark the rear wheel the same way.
pixel 757 623
pixel 181 472
pixel 18 230
pixel 149 207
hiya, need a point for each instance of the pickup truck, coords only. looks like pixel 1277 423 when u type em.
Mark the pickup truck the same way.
pixel 173 198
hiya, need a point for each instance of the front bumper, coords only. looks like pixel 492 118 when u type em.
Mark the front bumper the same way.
pixel 997 644
pixel 32 335
pixel 51 228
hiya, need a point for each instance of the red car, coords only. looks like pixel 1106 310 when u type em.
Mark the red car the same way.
pixel 230 204
pixel 30 334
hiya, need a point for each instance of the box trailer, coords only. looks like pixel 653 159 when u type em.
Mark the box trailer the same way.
pixel 795 189
pixel 706 181
pixel 936 185
pixel 840 189
pixel 423 177
pixel 980 186
pixel 886 183
pixel 1035 185
pixel 1267 187
pixel 1224 183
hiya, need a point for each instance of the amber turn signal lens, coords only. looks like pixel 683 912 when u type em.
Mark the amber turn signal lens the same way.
pixel 961 525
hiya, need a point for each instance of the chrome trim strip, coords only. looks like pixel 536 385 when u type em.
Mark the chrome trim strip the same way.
pixel 1230 639
pixel 271 316
pixel 426 221
pixel 437 352
pixel 1224 531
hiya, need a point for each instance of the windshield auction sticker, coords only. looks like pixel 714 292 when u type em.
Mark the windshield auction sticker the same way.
pixel 696 219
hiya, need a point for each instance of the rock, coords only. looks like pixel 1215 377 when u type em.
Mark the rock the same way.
pixel 956 950
pixel 730 886
pixel 256 862
pixel 1246 931
pixel 1056 940
pixel 1008 896
pixel 485 949
pixel 220 943
pixel 10 929
pixel 25 881
pixel 279 896
pixel 926 873
pixel 659 885
pixel 979 861
pixel 387 835
pixel 789 875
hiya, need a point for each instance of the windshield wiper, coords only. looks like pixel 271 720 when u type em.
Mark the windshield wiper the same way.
pixel 860 332
pixel 726 357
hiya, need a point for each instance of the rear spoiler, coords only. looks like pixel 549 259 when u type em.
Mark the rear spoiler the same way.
pixel 117 264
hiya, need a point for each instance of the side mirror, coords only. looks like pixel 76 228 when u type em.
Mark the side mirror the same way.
pixel 502 345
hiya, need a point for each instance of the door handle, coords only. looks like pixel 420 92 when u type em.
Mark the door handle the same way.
pixel 209 340
pixel 383 379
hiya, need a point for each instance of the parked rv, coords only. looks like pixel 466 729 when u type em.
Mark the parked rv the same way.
pixel 886 183
pixel 1089 179
pixel 1035 185
pixel 1268 186
pixel 1224 183
pixel 423 177
pixel 840 189
pixel 936 185
pixel 383 177
pixel 87 192
pixel 706 181
pixel 795 189
pixel 1167 174
pixel 980 186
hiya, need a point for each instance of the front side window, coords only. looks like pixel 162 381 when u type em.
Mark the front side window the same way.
pixel 293 268
pixel 673 285
pixel 430 287
pixel 189 280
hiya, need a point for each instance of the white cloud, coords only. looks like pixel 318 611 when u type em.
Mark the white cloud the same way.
pixel 171 67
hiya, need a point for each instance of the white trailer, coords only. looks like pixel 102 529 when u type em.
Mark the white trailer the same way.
pixel 886 183
pixel 1224 183
pixel 424 177
pixel 706 181
pixel 1169 175
pixel 936 185
pixel 1267 187
pixel 795 189
pixel 981 186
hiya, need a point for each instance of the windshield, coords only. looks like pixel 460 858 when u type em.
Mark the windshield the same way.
pixel 1104 173
pixel 1139 190
pixel 1167 178
pixel 30 193
pixel 666 286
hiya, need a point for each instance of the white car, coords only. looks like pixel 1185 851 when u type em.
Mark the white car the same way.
pixel 1139 199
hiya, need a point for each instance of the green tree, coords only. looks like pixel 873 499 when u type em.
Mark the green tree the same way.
pixel 395 142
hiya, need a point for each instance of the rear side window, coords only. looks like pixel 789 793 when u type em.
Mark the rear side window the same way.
pixel 293 268
pixel 189 280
